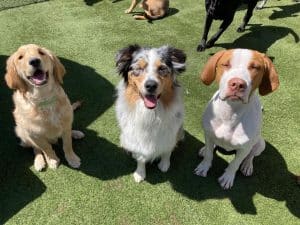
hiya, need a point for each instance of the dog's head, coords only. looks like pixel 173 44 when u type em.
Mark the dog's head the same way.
pixel 32 66
pixel 150 73
pixel 239 73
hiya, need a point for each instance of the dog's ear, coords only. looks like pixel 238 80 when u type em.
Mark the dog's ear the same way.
pixel 178 58
pixel 13 80
pixel 208 74
pixel 58 68
pixel 124 58
pixel 270 81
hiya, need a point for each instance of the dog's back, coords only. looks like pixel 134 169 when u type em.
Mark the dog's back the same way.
pixel 155 9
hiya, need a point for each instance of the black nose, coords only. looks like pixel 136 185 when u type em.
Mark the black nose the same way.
pixel 35 62
pixel 151 85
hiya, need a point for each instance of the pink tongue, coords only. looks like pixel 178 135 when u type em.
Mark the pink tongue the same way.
pixel 150 101
pixel 38 77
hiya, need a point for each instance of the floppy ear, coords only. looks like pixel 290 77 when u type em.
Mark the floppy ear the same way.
pixel 13 80
pixel 124 58
pixel 208 74
pixel 178 58
pixel 270 81
pixel 58 68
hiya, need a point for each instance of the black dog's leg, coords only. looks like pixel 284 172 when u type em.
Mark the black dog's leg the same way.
pixel 208 22
pixel 216 36
pixel 249 13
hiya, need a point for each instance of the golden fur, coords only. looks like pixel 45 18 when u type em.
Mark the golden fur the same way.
pixel 42 113
pixel 153 9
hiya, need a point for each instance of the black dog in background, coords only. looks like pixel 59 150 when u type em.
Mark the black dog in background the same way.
pixel 223 10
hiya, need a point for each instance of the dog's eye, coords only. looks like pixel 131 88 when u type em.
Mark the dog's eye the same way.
pixel 20 57
pixel 226 65
pixel 255 67
pixel 137 71
pixel 41 53
pixel 163 70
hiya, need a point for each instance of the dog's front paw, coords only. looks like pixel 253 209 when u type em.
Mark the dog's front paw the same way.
pixel 128 11
pixel 53 163
pixel 39 162
pixel 73 160
pixel 226 180
pixel 247 167
pixel 202 169
pixel 164 165
pixel 139 177
pixel 201 47
pixel 240 29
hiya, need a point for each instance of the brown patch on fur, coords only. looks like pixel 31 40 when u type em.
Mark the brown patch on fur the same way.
pixel 132 93
pixel 155 9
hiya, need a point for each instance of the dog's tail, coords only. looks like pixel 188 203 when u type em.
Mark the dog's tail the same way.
pixel 77 105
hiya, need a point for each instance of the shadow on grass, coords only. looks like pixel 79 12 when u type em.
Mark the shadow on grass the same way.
pixel 271 179
pixel 261 37
pixel 91 2
pixel 285 11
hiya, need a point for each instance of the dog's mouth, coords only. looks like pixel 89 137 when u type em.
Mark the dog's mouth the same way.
pixel 39 77
pixel 150 101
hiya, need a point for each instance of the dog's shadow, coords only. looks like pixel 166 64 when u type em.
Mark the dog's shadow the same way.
pixel 260 37
pixel 285 11
pixel 91 2
pixel 271 178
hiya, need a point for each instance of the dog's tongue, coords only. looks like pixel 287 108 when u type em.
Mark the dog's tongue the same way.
pixel 38 77
pixel 150 101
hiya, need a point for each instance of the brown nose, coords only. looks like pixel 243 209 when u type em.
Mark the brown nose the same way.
pixel 237 84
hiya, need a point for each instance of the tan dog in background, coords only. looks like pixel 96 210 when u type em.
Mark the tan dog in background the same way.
pixel 43 112
pixel 153 9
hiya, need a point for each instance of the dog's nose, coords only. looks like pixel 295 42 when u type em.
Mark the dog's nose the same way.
pixel 151 85
pixel 237 84
pixel 35 62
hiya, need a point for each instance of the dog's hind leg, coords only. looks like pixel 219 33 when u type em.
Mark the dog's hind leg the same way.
pixel 39 161
pixel 164 163
pixel 248 15
pixel 208 22
pixel 222 28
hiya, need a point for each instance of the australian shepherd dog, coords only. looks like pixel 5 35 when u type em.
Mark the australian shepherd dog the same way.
pixel 149 105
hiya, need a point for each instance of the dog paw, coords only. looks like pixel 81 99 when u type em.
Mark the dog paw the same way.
pixel 73 160
pixel 76 134
pixel 53 163
pixel 163 166
pixel 240 29
pixel 128 11
pixel 200 47
pixel 226 180
pixel 202 169
pixel 247 168
pixel 138 177
pixel 39 163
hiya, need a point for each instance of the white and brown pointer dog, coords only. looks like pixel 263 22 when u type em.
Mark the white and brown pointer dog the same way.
pixel 233 117
pixel 149 105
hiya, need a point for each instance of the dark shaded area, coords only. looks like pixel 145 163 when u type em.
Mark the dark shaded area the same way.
pixel 261 37
pixel 18 184
pixel 91 2
pixel 285 11
pixel 15 4
pixel 271 178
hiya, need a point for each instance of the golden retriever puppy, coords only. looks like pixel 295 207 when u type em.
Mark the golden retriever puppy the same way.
pixel 43 112
pixel 153 9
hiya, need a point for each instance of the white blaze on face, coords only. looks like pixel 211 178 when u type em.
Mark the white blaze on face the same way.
pixel 238 69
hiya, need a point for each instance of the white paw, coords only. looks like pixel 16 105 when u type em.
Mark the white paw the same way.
pixel 226 180
pixel 39 163
pixel 138 177
pixel 202 169
pixel 163 166
pixel 201 152
pixel 128 11
pixel 73 160
pixel 247 168
pixel 53 163
pixel 76 134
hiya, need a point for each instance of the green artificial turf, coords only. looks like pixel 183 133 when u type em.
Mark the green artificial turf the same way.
pixel 86 36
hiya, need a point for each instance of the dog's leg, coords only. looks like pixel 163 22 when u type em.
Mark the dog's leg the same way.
pixel 39 161
pixel 44 146
pixel 132 6
pixel 77 134
pixel 164 163
pixel 248 15
pixel 72 159
pixel 222 28
pixel 140 17
pixel 227 179
pixel 180 134
pixel 208 22
pixel 247 164
pixel 140 172
pixel 207 152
